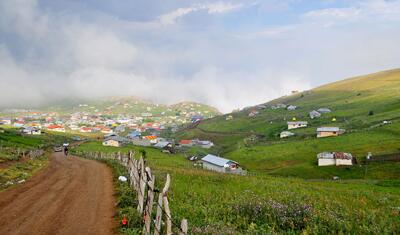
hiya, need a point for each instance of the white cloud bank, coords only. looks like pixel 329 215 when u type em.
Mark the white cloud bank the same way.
pixel 47 55
pixel 211 8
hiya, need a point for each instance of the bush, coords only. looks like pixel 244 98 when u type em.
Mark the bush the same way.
pixel 370 113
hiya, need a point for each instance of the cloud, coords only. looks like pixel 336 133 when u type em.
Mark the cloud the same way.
pixel 211 8
pixel 246 57
pixel 360 11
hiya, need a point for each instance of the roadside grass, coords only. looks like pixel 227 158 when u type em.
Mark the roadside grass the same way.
pixel 12 140
pixel 20 172
pixel 126 200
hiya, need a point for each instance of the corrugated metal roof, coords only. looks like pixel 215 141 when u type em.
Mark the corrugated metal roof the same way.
pixel 162 144
pixel 117 138
pixel 324 110
pixel 298 123
pixel 328 129
pixel 219 161
pixel 334 155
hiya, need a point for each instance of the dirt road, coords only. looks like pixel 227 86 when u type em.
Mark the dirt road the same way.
pixel 71 196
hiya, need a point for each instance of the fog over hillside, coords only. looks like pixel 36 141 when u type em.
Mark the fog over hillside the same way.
pixel 227 54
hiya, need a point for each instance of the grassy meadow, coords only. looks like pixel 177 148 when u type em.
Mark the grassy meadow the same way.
pixel 263 204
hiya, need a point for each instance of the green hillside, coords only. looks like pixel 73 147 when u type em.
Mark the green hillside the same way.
pixel 131 106
pixel 359 105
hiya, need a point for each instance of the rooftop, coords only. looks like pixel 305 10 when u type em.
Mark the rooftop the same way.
pixel 328 129
pixel 219 161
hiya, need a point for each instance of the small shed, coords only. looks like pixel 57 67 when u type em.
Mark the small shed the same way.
pixel 115 141
pixel 298 124
pixel 314 114
pixel 165 146
pixel 286 134
pixel 134 135
pixel 324 110
pixel 187 143
pixel 219 164
pixel 334 159
pixel 329 131
pixel 30 130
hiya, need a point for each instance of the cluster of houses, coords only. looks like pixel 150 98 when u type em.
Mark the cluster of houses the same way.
pixel 321 131
pixel 33 122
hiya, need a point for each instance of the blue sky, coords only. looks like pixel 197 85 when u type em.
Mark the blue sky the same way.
pixel 224 53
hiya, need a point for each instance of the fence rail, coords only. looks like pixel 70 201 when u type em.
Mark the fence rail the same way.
pixel 395 157
pixel 143 182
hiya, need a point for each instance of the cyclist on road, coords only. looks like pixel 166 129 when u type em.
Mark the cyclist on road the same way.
pixel 66 150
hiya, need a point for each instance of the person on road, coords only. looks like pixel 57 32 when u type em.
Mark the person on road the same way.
pixel 66 150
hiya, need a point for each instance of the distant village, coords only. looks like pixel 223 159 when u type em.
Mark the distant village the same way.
pixel 141 129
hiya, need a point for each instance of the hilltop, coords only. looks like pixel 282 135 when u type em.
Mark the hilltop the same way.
pixel 360 105
pixel 115 105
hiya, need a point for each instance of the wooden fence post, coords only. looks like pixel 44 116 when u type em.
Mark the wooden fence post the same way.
pixel 142 186
pixel 157 228
pixel 149 201
pixel 184 227
pixel 166 206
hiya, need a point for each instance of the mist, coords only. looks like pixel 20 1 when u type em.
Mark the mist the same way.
pixel 228 54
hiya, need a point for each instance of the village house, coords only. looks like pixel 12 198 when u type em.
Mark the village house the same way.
pixel 298 124
pixel 286 134
pixel 206 144
pixel 219 164
pixel 141 142
pixel 314 114
pixel 253 113
pixel 6 121
pixel 30 130
pixel 186 143
pixel 196 118
pixel 278 106
pixel 134 135
pixel 329 131
pixel 56 128
pixel 229 117
pixel 85 129
pixel 74 127
pixel 19 124
pixel 165 146
pixel 335 159
pixel 120 128
pixel 152 138
pixel 106 130
pixel 291 107
pixel 115 141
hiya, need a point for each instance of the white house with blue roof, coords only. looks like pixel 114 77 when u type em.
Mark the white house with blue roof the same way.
pixel 219 164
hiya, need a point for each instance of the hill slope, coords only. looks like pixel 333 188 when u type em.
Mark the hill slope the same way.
pixel 133 106
pixel 359 105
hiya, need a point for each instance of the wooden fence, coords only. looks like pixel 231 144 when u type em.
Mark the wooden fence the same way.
pixel 22 153
pixel 394 157
pixel 143 182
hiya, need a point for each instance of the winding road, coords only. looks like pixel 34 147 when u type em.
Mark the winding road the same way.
pixel 71 196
